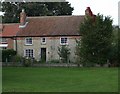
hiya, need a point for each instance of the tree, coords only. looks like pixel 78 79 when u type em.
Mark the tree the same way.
pixel 64 53
pixel 13 9
pixel 119 46
pixel 114 49
pixel 95 44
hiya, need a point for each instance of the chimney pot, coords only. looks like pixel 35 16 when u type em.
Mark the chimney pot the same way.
pixel 22 17
pixel 88 12
pixel 23 10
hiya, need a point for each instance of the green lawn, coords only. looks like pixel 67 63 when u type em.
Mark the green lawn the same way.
pixel 16 79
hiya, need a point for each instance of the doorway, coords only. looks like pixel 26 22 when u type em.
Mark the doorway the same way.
pixel 43 54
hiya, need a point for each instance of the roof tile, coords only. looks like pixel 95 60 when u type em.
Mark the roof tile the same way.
pixel 51 26
pixel 9 30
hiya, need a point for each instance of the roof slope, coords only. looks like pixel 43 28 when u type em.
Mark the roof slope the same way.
pixel 9 30
pixel 52 26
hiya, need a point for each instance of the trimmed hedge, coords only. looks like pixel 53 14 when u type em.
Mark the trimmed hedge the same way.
pixel 7 55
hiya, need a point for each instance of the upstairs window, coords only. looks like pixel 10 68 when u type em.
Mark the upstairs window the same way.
pixel 64 41
pixel 43 40
pixel 3 40
pixel 28 41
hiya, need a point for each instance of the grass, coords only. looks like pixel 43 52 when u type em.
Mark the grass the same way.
pixel 16 79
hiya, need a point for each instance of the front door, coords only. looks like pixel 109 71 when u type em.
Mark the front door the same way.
pixel 43 54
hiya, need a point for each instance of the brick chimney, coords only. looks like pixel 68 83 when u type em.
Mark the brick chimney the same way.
pixel 88 12
pixel 22 17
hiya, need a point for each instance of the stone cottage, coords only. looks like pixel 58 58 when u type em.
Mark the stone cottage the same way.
pixel 40 37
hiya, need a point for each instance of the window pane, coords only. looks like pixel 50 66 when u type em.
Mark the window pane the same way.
pixel 63 40
pixel 28 40
pixel 43 40
pixel 4 40
pixel 29 52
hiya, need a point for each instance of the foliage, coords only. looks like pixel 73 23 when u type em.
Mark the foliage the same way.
pixel 119 46
pixel 114 49
pixel 17 58
pixel 7 55
pixel 95 44
pixel 64 53
pixel 34 61
pixel 27 62
pixel 54 61
pixel 13 9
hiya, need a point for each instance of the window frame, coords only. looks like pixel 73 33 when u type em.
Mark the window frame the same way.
pixel 28 43
pixel 64 43
pixel 42 40
pixel 3 40
pixel 25 54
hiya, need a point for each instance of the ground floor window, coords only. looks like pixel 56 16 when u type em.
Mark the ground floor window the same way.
pixel 29 53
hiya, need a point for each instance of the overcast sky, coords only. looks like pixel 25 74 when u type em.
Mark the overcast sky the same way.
pixel 105 7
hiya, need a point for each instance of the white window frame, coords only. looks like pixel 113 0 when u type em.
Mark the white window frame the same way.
pixel 3 40
pixel 4 48
pixel 25 54
pixel 26 41
pixel 65 43
pixel 42 40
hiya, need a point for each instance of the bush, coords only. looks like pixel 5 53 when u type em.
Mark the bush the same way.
pixel 7 55
pixel 17 58
pixel 64 52
pixel 54 61
pixel 35 61
pixel 27 61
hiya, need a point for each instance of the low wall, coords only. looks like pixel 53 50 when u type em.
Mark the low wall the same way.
pixel 55 65
pixel 11 64
pixel 40 65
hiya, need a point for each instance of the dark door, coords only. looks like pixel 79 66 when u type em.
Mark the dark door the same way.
pixel 43 54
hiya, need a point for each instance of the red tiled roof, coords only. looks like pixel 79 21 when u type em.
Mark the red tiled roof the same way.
pixel 9 30
pixel 51 26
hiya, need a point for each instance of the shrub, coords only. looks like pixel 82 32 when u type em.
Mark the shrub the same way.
pixel 27 61
pixel 54 61
pixel 64 53
pixel 17 58
pixel 35 61
pixel 7 55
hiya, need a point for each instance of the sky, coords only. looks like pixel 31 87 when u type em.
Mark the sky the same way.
pixel 105 7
